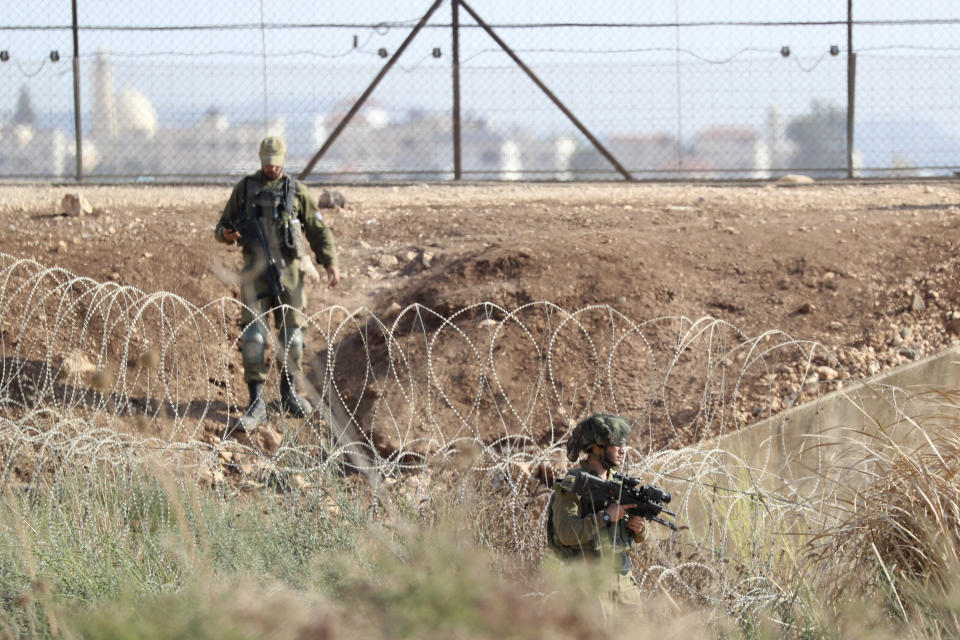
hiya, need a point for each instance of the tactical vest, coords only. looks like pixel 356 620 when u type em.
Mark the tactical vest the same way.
pixel 275 210
pixel 561 550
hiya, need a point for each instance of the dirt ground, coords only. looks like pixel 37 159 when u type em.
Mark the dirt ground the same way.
pixel 869 270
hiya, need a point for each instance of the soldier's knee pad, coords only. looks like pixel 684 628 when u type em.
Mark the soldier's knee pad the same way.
pixel 291 343
pixel 253 344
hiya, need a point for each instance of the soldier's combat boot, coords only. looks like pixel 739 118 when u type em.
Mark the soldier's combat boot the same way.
pixel 292 403
pixel 256 412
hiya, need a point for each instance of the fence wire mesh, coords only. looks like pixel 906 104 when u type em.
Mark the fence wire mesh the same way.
pixel 679 90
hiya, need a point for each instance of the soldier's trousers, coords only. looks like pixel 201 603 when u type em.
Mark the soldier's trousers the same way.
pixel 623 591
pixel 289 321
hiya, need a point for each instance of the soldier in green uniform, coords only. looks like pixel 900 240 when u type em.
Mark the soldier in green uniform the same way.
pixel 574 530
pixel 285 212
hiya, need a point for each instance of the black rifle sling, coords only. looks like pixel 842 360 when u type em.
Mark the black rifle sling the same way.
pixel 289 190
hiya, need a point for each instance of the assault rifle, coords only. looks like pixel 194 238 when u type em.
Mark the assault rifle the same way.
pixel 252 235
pixel 602 493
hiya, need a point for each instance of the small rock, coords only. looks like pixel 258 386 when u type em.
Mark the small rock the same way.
pixel 210 478
pixel 907 352
pixel 388 261
pixel 827 373
pixel 917 304
pixel 76 364
pixel 74 204
pixel 805 308
pixel 488 322
pixel 330 199
pixel 794 178
pixel 269 440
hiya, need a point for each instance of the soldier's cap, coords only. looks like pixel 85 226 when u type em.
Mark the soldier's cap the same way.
pixel 273 151
pixel 600 428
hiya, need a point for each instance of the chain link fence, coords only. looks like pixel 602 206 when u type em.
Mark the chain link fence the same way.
pixel 479 89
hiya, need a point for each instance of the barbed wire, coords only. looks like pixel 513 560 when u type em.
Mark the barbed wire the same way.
pixel 495 25
pixel 99 375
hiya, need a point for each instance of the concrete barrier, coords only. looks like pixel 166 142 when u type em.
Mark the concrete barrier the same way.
pixel 825 439
pixel 814 455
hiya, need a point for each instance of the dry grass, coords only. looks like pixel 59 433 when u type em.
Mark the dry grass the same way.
pixel 125 554
pixel 899 543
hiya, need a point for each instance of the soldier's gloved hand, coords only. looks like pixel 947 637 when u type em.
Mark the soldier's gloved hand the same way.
pixel 310 273
pixel 229 235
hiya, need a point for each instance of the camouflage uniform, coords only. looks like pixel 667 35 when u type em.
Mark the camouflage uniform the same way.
pixel 576 530
pixel 305 220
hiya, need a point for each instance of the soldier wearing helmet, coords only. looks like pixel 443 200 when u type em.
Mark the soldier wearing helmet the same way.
pixel 574 530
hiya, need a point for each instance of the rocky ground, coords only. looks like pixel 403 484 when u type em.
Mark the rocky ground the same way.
pixel 869 270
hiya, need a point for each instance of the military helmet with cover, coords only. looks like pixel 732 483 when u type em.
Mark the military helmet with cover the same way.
pixel 600 428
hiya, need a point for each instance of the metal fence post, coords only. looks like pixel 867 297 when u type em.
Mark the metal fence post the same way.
pixel 77 117
pixel 455 25
pixel 851 87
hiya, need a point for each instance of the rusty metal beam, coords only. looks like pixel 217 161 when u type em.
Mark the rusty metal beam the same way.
pixel 586 132
pixel 366 94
